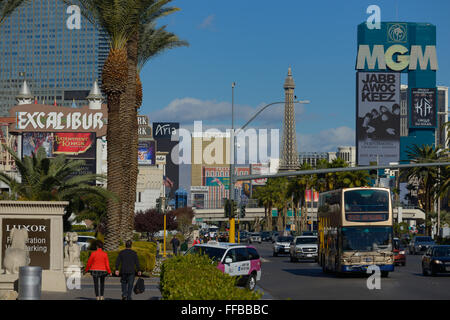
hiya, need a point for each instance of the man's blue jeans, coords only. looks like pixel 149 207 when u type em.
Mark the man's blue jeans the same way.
pixel 127 281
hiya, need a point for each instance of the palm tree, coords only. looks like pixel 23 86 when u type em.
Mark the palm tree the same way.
pixel 427 176
pixel 265 196
pixel 7 7
pixel 122 20
pixel 52 179
pixel 152 42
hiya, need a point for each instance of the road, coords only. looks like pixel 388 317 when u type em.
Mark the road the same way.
pixel 283 279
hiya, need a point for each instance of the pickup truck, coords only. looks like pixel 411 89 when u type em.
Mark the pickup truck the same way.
pixel 304 248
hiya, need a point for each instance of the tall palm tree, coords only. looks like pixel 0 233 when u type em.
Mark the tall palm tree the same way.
pixel 122 20
pixel 152 42
pixel 281 199
pixel 265 196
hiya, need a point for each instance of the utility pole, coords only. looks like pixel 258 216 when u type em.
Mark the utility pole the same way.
pixel 231 187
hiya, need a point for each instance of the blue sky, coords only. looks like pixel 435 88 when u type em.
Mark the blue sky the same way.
pixel 253 42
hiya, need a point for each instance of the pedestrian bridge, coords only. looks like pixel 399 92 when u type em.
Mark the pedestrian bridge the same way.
pixel 204 215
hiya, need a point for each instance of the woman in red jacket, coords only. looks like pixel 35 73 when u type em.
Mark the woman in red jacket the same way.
pixel 98 265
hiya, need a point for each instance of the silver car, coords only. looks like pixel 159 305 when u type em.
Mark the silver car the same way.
pixel 304 248
pixel 254 237
pixel 281 245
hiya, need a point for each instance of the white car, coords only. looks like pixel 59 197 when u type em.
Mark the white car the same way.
pixel 84 242
pixel 282 245
pixel 237 260
pixel 254 237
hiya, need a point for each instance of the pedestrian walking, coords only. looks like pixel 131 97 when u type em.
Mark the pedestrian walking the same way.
pixel 196 241
pixel 98 266
pixel 175 243
pixel 127 263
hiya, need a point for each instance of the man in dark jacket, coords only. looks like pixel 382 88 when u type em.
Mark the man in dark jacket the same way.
pixel 130 264
pixel 175 243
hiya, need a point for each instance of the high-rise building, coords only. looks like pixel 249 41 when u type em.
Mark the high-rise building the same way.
pixel 55 49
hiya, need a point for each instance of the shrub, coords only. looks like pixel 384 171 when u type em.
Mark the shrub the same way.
pixel 196 277
pixel 147 259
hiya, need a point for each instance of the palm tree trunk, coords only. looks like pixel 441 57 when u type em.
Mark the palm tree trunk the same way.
pixel 128 115
pixel 114 176
pixel 269 219
pixel 113 74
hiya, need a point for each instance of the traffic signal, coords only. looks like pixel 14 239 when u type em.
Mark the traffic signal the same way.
pixel 242 215
pixel 230 208
pixel 158 204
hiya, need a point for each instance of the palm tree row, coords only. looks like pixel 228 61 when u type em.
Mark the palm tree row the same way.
pixel 284 193
pixel 433 182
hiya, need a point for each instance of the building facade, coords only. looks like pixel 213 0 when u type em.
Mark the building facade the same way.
pixel 54 48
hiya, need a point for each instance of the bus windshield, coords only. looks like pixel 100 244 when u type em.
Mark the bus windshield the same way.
pixel 367 238
pixel 366 205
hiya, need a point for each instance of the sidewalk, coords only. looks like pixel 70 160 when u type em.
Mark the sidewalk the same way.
pixel 113 290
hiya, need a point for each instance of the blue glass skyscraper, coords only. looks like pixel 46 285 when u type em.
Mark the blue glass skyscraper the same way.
pixel 55 49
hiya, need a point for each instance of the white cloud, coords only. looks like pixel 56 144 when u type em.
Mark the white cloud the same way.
pixel 218 113
pixel 326 140
pixel 207 23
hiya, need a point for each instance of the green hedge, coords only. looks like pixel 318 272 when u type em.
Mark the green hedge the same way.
pixel 195 277
pixel 147 259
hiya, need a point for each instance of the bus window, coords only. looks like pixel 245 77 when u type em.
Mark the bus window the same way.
pixel 366 205
pixel 367 238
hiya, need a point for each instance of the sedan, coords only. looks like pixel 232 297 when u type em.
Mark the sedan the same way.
pixel 399 252
pixel 282 245
pixel 436 260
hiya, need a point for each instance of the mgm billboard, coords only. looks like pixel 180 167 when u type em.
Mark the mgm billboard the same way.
pixel 383 54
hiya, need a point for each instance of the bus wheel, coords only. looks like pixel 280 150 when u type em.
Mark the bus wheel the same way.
pixel 384 274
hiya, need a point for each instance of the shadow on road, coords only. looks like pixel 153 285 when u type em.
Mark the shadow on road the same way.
pixel 318 273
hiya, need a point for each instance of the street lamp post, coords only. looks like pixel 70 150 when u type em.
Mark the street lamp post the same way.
pixel 232 149
pixel 231 186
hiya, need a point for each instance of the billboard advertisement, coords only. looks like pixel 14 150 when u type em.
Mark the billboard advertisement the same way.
pixel 423 113
pixel 146 152
pixel 220 176
pixel 32 141
pixel 378 117
pixel 262 169
pixel 75 144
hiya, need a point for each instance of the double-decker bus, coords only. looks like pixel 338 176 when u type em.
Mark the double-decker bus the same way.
pixel 355 230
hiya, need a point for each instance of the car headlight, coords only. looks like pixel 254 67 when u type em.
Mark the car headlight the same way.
pixel 438 261
pixel 401 252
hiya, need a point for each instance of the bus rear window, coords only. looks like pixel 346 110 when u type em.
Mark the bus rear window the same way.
pixel 366 205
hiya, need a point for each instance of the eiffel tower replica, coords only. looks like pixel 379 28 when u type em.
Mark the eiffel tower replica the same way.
pixel 289 155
